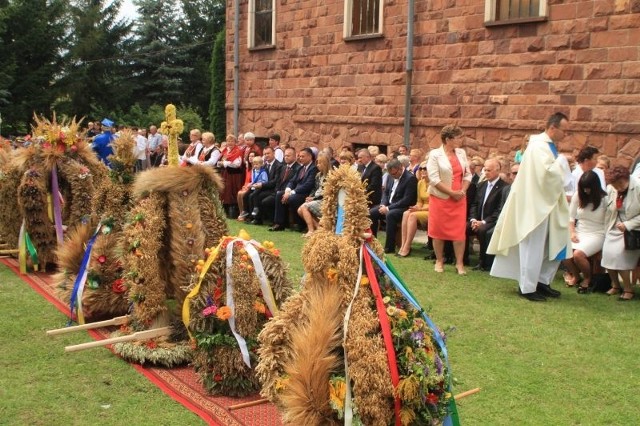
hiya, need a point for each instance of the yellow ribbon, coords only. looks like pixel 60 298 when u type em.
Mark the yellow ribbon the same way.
pixel 50 206
pixel 22 249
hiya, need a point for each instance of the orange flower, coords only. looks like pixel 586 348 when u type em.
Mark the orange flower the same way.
pixel 364 281
pixel 332 275
pixel 260 307
pixel 224 313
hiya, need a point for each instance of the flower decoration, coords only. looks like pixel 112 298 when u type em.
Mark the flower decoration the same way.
pixel 210 310
pixel 102 259
pixel 224 313
pixel 332 275
pixel 118 286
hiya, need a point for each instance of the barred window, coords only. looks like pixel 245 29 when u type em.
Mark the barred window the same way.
pixel 261 23
pixel 513 11
pixel 362 18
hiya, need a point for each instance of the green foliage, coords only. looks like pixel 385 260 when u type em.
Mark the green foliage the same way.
pixel 217 108
pixel 34 32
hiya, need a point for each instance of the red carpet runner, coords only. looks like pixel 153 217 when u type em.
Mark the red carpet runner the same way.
pixel 181 383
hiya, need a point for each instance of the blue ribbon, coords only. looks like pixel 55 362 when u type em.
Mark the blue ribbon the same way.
pixel 554 150
pixel 81 274
pixel 447 421
pixel 340 220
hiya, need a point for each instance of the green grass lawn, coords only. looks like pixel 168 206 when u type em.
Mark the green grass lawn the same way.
pixel 571 361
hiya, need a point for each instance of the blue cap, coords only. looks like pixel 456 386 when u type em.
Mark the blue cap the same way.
pixel 107 123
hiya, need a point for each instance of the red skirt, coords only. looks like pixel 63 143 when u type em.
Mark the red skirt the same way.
pixel 233 182
pixel 447 219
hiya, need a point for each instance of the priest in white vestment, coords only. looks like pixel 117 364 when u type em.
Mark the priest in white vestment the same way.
pixel 532 233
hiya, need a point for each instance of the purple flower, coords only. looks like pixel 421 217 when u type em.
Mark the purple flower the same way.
pixel 438 364
pixel 417 336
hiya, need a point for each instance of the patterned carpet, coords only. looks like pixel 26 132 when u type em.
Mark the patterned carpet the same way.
pixel 180 384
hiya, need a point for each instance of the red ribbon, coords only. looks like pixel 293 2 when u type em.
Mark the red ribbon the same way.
pixel 386 330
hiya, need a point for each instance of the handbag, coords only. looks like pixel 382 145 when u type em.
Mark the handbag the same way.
pixel 631 240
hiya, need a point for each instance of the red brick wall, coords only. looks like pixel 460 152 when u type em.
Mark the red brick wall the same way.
pixel 498 83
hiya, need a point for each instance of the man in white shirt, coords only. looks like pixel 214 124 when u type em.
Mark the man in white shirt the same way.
pixel 141 150
pixel 154 140
pixel 587 161
pixel 274 143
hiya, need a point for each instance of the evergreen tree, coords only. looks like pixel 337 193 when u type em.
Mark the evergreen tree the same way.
pixel 8 65
pixel 98 75
pixel 203 20
pixel 32 43
pixel 161 63
pixel 217 108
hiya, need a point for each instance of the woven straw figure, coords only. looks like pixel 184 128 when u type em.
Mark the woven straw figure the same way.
pixel 104 295
pixel 52 181
pixel 243 283
pixel 176 214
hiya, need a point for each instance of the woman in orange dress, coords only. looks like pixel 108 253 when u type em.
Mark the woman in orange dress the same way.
pixel 232 171
pixel 449 178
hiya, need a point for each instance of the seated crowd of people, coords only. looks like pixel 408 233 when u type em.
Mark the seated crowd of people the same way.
pixel 455 199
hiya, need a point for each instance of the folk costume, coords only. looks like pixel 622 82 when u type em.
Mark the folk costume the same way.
pixel 232 173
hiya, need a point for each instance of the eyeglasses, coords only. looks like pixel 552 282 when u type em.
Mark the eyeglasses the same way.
pixel 422 168
pixel 513 173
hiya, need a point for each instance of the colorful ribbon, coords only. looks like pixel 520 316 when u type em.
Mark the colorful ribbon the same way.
pixel 57 208
pixel 348 406
pixel 387 268
pixel 386 330
pixel 22 249
pixel 78 286
pixel 244 350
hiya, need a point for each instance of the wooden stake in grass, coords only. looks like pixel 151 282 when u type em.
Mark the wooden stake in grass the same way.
pixel 466 393
pixel 248 404
pixel 140 335
pixel 113 321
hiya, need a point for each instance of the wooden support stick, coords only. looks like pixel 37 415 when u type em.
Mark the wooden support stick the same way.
pixel 466 393
pixel 10 251
pixel 90 326
pixel 140 335
pixel 247 404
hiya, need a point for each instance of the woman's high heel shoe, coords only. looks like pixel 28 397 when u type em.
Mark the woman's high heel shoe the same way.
pixel 439 268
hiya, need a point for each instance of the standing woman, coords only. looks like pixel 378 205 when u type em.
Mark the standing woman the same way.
pixel 586 226
pixel 623 214
pixel 416 214
pixel 232 174
pixel 449 178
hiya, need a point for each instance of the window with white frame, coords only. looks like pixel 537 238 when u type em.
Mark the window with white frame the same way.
pixel 507 11
pixel 262 23
pixel 362 18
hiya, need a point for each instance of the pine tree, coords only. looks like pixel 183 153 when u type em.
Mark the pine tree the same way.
pixel 33 42
pixel 161 63
pixel 98 73
pixel 217 108
pixel 203 19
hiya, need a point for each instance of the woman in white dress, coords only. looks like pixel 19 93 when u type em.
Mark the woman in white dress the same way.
pixel 586 225
pixel 623 213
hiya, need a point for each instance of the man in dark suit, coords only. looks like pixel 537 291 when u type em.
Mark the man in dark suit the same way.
pixel 296 191
pixel 286 174
pixel 398 196
pixel 371 175
pixel 259 191
pixel 484 212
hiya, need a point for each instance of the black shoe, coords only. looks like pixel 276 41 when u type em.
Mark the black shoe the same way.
pixel 546 290
pixel 479 267
pixel 389 251
pixel 256 222
pixel 276 228
pixel 533 297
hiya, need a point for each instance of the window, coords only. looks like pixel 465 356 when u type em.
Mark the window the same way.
pixel 262 29
pixel 499 12
pixel 362 18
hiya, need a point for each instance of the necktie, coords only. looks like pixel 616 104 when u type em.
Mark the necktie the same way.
pixel 486 195
pixel 361 169
pixel 267 167
pixel 302 171
pixel 286 173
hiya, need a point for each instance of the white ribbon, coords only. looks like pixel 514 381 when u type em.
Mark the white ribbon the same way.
pixel 348 408
pixel 267 294
pixel 230 303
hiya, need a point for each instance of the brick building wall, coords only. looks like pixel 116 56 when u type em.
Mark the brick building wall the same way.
pixel 498 83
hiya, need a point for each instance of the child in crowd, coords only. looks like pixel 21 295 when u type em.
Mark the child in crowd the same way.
pixel 258 175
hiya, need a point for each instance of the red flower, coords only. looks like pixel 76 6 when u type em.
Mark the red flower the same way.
pixel 217 378
pixel 432 398
pixel 102 258
pixel 151 344
pixel 118 286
